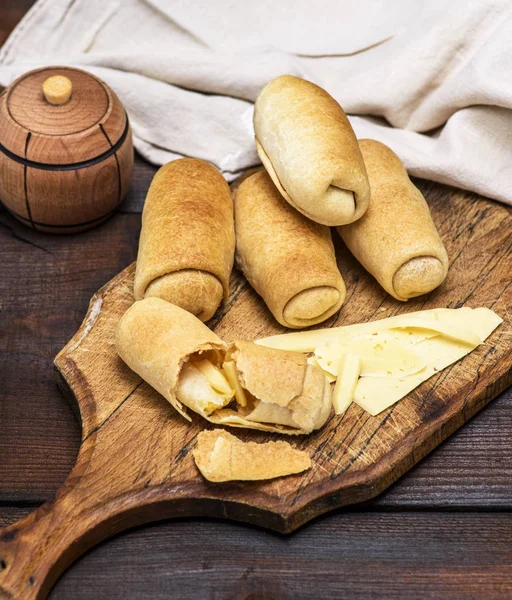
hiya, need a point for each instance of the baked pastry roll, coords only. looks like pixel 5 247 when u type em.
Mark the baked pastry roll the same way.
pixel 240 384
pixel 187 242
pixel 396 240
pixel 288 259
pixel 310 151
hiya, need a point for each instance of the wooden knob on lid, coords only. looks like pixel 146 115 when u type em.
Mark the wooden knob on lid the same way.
pixel 57 89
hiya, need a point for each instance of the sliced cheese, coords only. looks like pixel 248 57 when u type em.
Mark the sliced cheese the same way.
pixel 312 360
pixel 215 377
pixel 299 341
pixel 396 354
pixel 307 341
pixel 348 369
pixel 229 369
pixel 377 394
pixel 472 319
pixel 481 321
pixel 442 327
pixel 380 353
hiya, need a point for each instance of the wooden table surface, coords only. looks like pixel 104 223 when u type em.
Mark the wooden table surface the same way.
pixel 443 531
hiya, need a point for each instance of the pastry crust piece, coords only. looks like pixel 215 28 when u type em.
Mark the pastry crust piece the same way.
pixel 221 456
pixel 288 259
pixel 396 239
pixel 310 151
pixel 187 241
pixel 186 362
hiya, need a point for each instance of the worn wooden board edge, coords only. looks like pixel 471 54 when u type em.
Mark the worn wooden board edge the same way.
pixel 318 498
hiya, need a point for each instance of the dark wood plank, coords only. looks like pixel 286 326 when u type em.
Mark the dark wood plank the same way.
pixel 47 282
pixel 343 555
pixel 11 514
pixel 357 556
pixel 11 12
pixel 472 469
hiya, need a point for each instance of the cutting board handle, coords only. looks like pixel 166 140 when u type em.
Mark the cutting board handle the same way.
pixel 37 549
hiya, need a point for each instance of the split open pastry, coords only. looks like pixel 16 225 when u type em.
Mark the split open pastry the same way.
pixel 308 147
pixel 240 384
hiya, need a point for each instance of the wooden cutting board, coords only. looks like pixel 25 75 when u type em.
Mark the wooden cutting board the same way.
pixel 135 463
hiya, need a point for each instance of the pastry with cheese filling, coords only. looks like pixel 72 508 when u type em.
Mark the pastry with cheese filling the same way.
pixel 187 242
pixel 396 240
pixel 310 151
pixel 240 384
pixel 288 259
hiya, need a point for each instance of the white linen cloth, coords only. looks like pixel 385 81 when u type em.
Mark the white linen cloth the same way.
pixel 430 78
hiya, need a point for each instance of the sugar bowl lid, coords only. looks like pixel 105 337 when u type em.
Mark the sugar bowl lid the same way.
pixel 60 116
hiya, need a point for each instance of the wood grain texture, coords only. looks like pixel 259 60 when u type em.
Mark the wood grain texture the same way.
pixel 352 554
pixel 60 135
pixel 76 160
pixel 45 286
pixel 29 108
pixel 354 457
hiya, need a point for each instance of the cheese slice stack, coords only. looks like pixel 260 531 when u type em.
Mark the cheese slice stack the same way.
pixel 378 363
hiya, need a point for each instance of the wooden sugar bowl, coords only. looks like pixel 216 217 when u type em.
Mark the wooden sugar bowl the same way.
pixel 66 150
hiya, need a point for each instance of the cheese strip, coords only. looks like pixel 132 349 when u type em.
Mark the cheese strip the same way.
pixel 307 341
pixel 231 375
pixel 448 330
pixel 196 393
pixel 312 360
pixel 220 456
pixel 215 378
pixel 349 370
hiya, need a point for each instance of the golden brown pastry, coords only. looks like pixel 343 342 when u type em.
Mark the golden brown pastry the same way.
pixel 241 384
pixel 396 240
pixel 288 259
pixel 187 241
pixel 221 456
pixel 310 151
